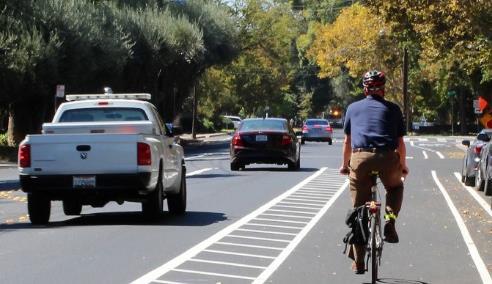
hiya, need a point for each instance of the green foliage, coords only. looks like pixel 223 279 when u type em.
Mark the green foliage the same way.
pixel 3 139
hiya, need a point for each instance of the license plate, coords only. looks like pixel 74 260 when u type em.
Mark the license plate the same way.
pixel 261 138
pixel 84 181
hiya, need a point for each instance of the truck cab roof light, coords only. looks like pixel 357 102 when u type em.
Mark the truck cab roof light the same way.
pixel 136 96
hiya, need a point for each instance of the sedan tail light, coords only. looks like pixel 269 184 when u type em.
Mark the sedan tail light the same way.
pixel 286 140
pixel 144 156
pixel 478 149
pixel 236 140
pixel 24 156
pixel 328 129
pixel 305 128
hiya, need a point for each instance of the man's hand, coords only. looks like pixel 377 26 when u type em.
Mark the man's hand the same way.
pixel 404 171
pixel 344 170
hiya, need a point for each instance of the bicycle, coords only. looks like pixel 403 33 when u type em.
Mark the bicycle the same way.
pixel 375 242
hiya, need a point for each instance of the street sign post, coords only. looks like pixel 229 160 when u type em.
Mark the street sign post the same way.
pixel 476 107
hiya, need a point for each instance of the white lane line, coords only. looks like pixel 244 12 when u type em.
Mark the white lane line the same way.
pixel 273 226
pixel 317 206
pixel 430 150
pixel 425 155
pixel 247 246
pixel 190 253
pixel 213 274
pixel 200 171
pixel 479 264
pixel 319 190
pixel 239 254
pixel 258 238
pixel 167 282
pixel 475 195
pixel 309 197
pixel 305 200
pixel 226 263
pixel 290 248
pixel 295 207
pixel 284 215
pixel 292 211
pixel 324 196
pixel 267 232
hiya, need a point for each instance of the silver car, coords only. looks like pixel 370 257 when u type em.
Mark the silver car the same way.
pixel 470 172
pixel 315 129
pixel 483 177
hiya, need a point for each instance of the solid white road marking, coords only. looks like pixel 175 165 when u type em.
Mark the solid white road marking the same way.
pixel 425 155
pixel 274 226
pixel 475 195
pixel 440 155
pixel 296 207
pixel 247 246
pixel 236 253
pixel 292 211
pixel 257 238
pixel 430 150
pixel 266 232
pixel 253 216
pixel 480 265
pixel 200 171
pixel 226 263
pixel 213 274
pixel 301 203
pixel 290 248
pixel 167 282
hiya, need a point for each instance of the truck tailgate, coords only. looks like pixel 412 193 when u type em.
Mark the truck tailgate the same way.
pixel 84 154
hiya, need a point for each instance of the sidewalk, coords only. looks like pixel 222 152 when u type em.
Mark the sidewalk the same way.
pixel 204 139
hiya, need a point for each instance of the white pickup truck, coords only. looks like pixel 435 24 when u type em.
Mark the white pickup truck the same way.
pixel 101 148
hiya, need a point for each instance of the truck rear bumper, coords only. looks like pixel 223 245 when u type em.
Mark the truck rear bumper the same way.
pixel 109 186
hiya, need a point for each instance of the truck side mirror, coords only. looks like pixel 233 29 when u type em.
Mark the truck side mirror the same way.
pixel 466 143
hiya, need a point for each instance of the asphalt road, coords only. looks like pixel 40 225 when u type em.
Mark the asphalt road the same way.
pixel 261 225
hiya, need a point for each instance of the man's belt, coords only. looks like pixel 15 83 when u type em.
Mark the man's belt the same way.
pixel 372 150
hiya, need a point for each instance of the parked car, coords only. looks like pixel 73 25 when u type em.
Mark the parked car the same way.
pixel 102 148
pixel 315 129
pixel 265 141
pixel 234 119
pixel 472 157
pixel 483 177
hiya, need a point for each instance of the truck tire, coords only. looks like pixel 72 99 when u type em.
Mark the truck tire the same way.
pixel 39 209
pixel 72 207
pixel 176 203
pixel 152 207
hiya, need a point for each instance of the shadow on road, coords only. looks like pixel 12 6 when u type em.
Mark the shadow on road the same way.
pixel 7 185
pixel 302 170
pixel 129 218
pixel 398 281
pixel 211 176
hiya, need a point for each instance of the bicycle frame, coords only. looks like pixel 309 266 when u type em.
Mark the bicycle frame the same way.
pixel 375 243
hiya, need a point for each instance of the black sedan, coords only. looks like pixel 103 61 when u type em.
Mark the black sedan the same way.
pixel 265 141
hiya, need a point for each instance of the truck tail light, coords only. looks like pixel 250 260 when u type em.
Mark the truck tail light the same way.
pixel 24 156
pixel 286 140
pixel 236 140
pixel 144 156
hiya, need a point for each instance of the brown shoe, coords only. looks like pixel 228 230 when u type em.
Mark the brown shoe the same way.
pixel 390 235
pixel 358 268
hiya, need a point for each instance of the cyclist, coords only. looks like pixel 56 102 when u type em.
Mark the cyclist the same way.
pixel 374 131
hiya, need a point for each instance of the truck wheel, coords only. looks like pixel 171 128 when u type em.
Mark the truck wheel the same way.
pixel 152 207
pixel 71 207
pixel 39 208
pixel 234 167
pixel 176 203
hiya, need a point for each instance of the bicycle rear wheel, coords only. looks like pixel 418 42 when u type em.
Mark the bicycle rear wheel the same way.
pixel 374 248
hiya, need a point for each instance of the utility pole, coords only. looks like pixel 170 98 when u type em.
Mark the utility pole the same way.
pixel 405 89
pixel 193 123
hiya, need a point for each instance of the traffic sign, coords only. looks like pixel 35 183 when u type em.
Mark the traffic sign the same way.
pixel 476 107
pixel 60 91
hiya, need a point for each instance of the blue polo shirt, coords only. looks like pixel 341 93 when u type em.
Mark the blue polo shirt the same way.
pixel 374 123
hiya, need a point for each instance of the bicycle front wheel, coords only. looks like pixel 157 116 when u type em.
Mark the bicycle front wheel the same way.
pixel 374 248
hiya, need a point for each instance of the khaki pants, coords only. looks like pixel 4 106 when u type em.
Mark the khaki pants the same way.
pixel 390 173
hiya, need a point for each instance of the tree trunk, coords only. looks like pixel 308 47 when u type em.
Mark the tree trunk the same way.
pixel 24 118
pixel 462 100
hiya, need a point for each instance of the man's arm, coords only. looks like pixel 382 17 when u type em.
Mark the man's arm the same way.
pixel 402 150
pixel 347 152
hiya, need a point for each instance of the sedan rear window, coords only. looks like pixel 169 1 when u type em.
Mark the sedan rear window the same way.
pixel 263 125
pixel 317 122
pixel 103 114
